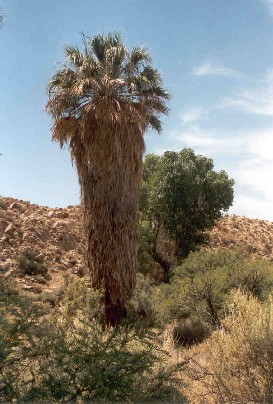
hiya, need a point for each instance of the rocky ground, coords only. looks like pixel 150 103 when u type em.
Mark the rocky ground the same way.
pixel 254 236
pixel 51 242
pixel 53 237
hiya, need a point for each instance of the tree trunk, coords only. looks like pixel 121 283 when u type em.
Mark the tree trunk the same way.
pixel 110 176
pixel 114 312
pixel 165 265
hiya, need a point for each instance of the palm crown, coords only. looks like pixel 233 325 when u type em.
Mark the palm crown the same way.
pixel 105 84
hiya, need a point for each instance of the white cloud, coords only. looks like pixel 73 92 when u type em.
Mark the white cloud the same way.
pixel 256 100
pixel 192 114
pixel 252 207
pixel 209 143
pixel 248 160
pixel 209 69
pixel 256 169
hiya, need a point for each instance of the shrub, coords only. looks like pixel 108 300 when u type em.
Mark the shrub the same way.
pixel 239 356
pixel 64 356
pixel 190 331
pixel 208 278
pixel 3 204
pixel 19 317
pixel 28 263
pixel 198 294
pixel 79 301
pixel 141 304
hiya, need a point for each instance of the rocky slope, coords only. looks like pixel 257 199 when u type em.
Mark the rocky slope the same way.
pixel 51 238
pixel 50 242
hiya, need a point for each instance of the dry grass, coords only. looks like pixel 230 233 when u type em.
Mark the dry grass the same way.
pixel 235 365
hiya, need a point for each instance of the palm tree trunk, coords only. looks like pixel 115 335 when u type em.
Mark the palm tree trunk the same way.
pixel 110 180
pixel 114 313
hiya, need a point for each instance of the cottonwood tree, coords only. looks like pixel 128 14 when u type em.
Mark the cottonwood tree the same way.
pixel 182 194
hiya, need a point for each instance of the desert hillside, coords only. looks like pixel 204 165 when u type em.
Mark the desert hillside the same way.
pixel 55 239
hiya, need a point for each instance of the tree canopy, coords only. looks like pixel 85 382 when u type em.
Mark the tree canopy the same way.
pixel 184 195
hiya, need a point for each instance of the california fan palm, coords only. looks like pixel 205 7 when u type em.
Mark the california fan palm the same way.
pixel 102 101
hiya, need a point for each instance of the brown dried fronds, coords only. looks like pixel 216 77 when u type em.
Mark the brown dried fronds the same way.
pixel 102 102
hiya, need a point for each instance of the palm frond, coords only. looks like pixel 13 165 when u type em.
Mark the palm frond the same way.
pixel 138 55
pixel 155 123
pixel 74 55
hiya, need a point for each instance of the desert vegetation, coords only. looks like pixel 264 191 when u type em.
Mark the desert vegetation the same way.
pixel 145 292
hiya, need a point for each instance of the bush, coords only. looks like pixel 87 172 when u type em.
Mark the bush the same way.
pixel 190 331
pixel 141 304
pixel 28 263
pixel 79 301
pixel 64 356
pixel 199 291
pixel 19 316
pixel 239 356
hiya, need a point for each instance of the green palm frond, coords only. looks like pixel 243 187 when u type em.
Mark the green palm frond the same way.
pixel 155 123
pixel 139 55
pixel 108 81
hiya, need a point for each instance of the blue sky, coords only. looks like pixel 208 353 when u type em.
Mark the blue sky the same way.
pixel 216 59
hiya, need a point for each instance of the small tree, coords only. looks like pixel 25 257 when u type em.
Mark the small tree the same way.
pixel 184 195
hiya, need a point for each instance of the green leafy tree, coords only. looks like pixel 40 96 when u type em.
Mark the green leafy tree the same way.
pixel 102 101
pixel 182 194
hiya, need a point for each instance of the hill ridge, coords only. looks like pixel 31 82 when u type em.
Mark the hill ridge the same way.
pixel 55 237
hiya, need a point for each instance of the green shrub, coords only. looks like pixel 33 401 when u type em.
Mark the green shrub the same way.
pixel 182 193
pixel 198 294
pixel 29 265
pixel 80 301
pixel 141 304
pixel 64 356
pixel 19 316
pixel 190 331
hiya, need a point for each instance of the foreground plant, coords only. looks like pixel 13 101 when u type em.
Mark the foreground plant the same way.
pixel 62 356
pixel 103 100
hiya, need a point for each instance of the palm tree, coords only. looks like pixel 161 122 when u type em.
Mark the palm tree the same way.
pixel 103 100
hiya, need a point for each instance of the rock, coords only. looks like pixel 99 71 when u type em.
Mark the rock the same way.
pixel 9 273
pixel 17 206
pixel 27 287
pixel 3 225
pixel 62 215
pixel 10 229
pixel 51 213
